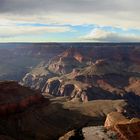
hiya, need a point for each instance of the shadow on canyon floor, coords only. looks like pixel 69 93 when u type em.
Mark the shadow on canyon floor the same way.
pixel 45 122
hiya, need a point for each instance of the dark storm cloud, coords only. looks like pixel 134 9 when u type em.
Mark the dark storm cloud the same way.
pixel 77 6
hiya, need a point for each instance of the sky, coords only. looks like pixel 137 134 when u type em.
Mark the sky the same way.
pixel 69 21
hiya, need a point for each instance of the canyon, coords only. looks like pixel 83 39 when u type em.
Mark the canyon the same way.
pixel 72 89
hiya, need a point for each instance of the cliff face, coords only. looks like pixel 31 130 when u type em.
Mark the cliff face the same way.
pixel 114 118
pixel 37 77
pixel 67 61
pixel 116 127
pixel 14 98
pixel 30 55
pixel 73 52
pixel 101 80
pixel 20 58
pixel 133 87
pixel 125 128
pixel 71 59
pixel 20 120
pixel 86 82
pixel 90 73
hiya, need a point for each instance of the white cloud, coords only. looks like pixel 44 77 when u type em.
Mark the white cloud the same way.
pixel 109 36
pixel 118 20
pixel 13 30
pixel 115 13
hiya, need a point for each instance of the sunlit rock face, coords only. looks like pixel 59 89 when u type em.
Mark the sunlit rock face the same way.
pixel 101 80
pixel 84 82
pixel 113 118
pixel 90 133
pixel 37 78
pixel 127 129
pixel 69 58
pixel 67 61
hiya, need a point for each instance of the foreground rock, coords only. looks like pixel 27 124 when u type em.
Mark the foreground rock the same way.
pixel 127 129
pixel 48 121
pixel 98 133
pixel 114 118
pixel 117 127
pixel 90 133
pixel 26 115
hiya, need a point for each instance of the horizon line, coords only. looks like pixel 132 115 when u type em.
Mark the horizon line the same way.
pixel 70 42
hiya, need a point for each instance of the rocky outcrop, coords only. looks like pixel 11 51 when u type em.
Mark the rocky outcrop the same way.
pixel 114 118
pixel 91 60
pixel 125 128
pixel 52 87
pixel 67 136
pixel 58 88
pixel 102 80
pixel 37 77
pixel 18 59
pixel 72 52
pixel 85 72
pixel 90 133
pixel 14 98
pixel 133 87
pixel 117 127
pixel 98 133
pixel 129 130
pixel 62 65
pixel 41 120
pixel 67 61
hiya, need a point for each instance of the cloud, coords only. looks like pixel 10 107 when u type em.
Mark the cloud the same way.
pixel 123 13
pixel 13 30
pixel 39 6
pixel 101 35
pixel 62 15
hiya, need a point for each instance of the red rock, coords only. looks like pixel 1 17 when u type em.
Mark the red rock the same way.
pixel 14 97
pixel 113 118
pixel 129 130
pixel 125 128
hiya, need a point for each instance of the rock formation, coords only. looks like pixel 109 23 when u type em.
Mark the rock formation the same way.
pixel 37 77
pixel 14 98
pixel 101 80
pixel 127 129
pixel 92 60
pixel 117 127
pixel 67 61
pixel 84 82
pixel 114 118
